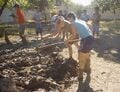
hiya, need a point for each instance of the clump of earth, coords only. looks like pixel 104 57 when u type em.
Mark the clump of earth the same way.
pixel 36 69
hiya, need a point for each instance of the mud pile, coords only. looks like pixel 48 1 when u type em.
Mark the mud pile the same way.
pixel 41 70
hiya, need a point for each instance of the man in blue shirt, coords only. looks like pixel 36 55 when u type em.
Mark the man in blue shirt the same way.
pixel 85 45
pixel 84 16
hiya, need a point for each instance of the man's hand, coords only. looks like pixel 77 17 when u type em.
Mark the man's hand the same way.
pixel 69 42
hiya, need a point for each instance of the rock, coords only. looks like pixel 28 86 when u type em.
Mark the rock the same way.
pixel 37 71
pixel 9 73
pixel 40 90
pixel 7 85
pixel 54 54
pixel 40 82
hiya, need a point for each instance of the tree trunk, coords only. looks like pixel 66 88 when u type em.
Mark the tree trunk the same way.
pixel 3 6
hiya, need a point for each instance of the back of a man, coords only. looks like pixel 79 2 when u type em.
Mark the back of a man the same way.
pixel 53 22
pixel 82 29
pixel 85 16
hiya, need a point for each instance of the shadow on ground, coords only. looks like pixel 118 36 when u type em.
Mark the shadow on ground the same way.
pixel 108 46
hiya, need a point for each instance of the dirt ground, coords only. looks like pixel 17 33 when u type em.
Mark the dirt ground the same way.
pixel 105 62
pixel 105 65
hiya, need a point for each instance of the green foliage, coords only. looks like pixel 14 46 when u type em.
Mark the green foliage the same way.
pixel 1 3
pixel 51 3
pixel 39 3
pixel 10 4
pixel 107 5
pixel 29 3
pixel 76 8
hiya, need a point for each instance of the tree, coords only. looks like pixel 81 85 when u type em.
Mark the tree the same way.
pixel 107 5
pixel 3 6
pixel 76 8
pixel 10 3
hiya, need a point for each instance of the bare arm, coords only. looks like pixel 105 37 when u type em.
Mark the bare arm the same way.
pixel 73 36
pixel 55 34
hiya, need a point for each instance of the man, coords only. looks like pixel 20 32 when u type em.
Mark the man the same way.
pixel 20 19
pixel 63 34
pixel 53 21
pixel 38 17
pixel 84 16
pixel 85 46
pixel 63 25
pixel 95 21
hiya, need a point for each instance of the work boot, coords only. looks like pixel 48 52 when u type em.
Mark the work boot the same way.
pixel 23 39
pixel 7 39
pixel 80 79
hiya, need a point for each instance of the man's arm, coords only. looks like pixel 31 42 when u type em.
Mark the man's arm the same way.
pixel 73 36
pixel 55 34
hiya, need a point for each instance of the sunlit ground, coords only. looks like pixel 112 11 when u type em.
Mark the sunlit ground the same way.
pixel 112 26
